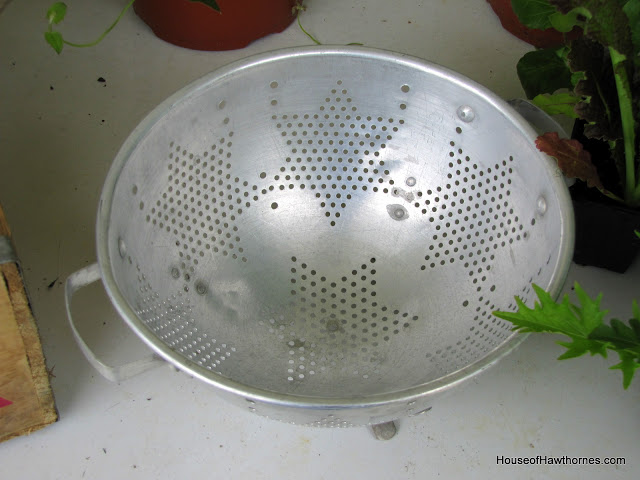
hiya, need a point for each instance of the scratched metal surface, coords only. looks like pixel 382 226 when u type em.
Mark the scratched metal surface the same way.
pixel 60 130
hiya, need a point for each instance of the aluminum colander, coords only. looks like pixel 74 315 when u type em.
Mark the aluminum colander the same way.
pixel 324 233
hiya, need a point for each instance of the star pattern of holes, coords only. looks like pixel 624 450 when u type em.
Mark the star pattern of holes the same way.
pixel 200 205
pixel 336 150
pixel 472 219
pixel 471 213
pixel 337 323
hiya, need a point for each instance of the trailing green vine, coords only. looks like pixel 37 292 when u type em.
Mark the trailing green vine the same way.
pixel 56 14
pixel 299 8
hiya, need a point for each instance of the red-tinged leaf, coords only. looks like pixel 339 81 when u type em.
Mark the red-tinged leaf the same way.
pixel 573 159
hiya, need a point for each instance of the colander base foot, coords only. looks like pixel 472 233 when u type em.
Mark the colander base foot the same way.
pixel 384 431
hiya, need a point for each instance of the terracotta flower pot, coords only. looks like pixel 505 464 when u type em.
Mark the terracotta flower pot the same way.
pixel 538 38
pixel 197 26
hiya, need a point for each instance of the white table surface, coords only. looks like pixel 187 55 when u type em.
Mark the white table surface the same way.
pixel 59 131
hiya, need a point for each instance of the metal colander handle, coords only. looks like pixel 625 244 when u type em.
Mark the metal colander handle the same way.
pixel 117 373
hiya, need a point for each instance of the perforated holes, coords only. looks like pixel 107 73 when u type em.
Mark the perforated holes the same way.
pixel 344 311
pixel 171 320
pixel 201 200
pixel 472 219
pixel 335 151
pixel 331 422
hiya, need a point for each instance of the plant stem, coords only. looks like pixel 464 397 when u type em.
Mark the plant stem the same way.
pixel 105 33
pixel 628 130
pixel 302 8
pixel 307 33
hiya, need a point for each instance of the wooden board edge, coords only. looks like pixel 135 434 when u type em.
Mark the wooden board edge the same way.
pixel 33 348
pixel 10 274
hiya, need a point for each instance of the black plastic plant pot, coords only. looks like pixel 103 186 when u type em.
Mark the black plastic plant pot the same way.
pixel 605 235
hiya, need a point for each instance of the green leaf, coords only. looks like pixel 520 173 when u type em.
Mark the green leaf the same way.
pixel 566 22
pixel 549 316
pixel 533 13
pixel 620 335
pixel 590 315
pixel 580 346
pixel 576 77
pixel 628 364
pixel 55 40
pixel 584 326
pixel 543 71
pixel 560 103
pixel 210 3
pixel 608 24
pixel 56 13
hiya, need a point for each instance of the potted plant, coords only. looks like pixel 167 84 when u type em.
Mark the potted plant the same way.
pixel 593 77
pixel 538 35
pixel 196 24
pixel 215 24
